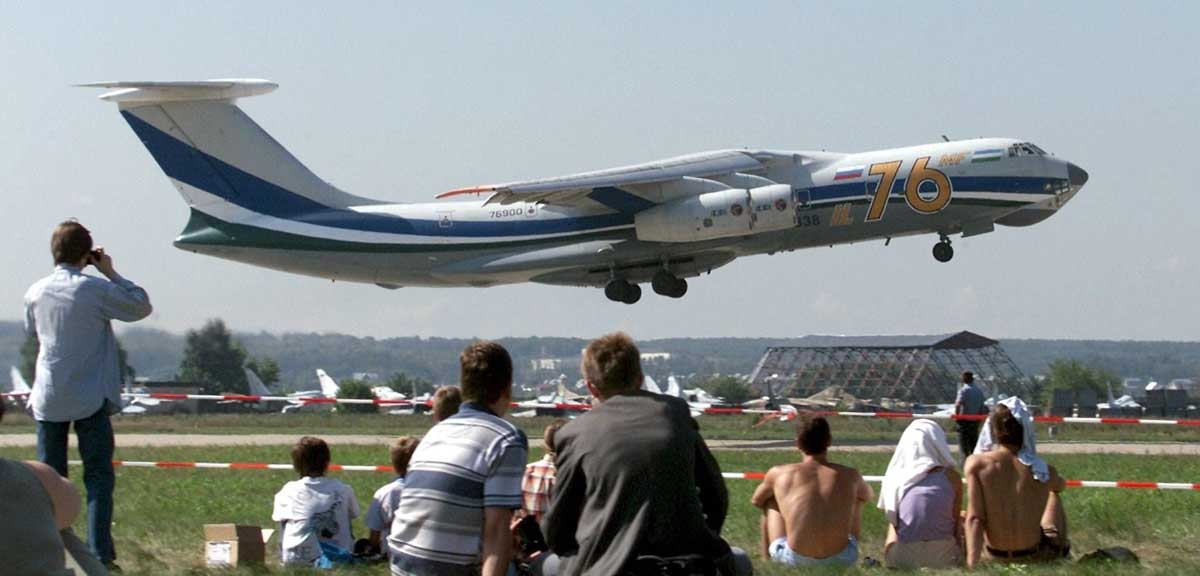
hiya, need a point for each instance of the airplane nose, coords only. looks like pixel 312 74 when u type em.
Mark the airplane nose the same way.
pixel 1078 176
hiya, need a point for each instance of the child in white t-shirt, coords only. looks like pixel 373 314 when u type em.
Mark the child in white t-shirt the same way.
pixel 387 497
pixel 314 509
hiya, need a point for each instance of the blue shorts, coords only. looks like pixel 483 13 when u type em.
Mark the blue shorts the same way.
pixel 781 553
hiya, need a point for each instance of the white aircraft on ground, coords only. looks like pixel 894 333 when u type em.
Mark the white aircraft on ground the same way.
pixel 659 222
pixel 141 406
pixel 1125 401
pixel 18 390
pixel 329 389
pixel 698 399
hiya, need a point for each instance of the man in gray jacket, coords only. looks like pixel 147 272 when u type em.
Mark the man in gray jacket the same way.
pixel 78 376
pixel 635 478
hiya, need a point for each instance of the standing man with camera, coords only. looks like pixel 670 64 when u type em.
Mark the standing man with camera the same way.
pixel 79 374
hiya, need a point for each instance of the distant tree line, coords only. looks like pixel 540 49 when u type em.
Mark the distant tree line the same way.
pixel 287 361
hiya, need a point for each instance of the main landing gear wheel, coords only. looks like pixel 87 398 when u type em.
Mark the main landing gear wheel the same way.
pixel 668 285
pixel 621 291
pixel 942 251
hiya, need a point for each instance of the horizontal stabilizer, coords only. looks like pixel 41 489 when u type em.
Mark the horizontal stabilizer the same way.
pixel 136 92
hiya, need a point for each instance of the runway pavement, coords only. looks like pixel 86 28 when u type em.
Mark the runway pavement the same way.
pixel 132 440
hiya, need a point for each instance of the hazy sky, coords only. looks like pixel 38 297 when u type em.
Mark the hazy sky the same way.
pixel 402 103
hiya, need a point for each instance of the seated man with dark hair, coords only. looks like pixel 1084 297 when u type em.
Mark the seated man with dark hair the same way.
pixel 811 510
pixel 636 485
pixel 1014 510
pixel 314 512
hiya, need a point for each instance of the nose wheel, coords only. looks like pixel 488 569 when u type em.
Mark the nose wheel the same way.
pixel 666 284
pixel 942 251
pixel 620 290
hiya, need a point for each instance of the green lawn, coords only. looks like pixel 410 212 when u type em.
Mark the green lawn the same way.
pixel 160 512
pixel 846 430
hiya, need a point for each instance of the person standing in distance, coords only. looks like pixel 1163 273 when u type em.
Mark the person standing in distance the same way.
pixel 969 402
pixel 78 375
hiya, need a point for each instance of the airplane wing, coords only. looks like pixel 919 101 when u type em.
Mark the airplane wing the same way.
pixel 576 189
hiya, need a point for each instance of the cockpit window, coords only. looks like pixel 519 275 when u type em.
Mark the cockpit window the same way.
pixel 1025 149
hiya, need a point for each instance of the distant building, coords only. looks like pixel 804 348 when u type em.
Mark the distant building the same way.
pixel 908 368
pixel 656 356
pixel 366 376
pixel 552 364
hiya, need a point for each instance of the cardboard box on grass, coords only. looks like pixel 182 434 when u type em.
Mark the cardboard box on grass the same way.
pixel 234 545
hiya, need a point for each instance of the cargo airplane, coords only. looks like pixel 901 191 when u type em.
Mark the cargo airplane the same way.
pixel 659 222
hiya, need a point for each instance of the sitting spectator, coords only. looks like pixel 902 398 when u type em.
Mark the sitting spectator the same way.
pixel 38 507
pixel 811 509
pixel 446 401
pixel 383 504
pixel 922 496
pixel 464 480
pixel 314 512
pixel 1014 506
pixel 634 479
pixel 539 477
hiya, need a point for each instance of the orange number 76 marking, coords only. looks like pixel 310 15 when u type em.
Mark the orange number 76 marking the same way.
pixel 883 188
pixel 920 174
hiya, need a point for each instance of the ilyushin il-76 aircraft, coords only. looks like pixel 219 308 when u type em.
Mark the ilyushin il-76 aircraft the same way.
pixel 660 222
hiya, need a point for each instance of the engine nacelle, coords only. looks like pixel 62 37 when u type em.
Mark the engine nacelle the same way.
pixel 721 214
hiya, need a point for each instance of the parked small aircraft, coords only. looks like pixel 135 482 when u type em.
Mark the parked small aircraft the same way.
pixel 18 390
pixel 329 390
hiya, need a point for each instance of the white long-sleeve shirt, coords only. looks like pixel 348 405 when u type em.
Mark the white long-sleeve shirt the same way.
pixel 77 366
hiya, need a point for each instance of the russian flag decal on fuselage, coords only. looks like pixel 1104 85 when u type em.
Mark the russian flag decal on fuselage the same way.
pixel 848 173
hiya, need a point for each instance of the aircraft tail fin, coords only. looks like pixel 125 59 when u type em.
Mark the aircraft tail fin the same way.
pixel 257 387
pixel 1111 401
pixel 329 386
pixel 673 387
pixel 649 385
pixel 19 386
pixel 221 161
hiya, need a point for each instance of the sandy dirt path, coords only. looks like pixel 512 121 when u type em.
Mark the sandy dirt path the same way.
pixel 132 440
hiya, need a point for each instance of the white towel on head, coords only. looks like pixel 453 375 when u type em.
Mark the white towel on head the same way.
pixel 1028 454
pixel 921 447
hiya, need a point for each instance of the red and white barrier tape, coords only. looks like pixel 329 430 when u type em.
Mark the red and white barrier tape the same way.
pixel 576 407
pixel 729 475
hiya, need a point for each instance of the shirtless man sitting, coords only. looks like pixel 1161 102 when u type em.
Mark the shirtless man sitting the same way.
pixel 1020 518
pixel 811 509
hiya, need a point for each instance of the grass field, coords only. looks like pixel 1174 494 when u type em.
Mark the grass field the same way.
pixel 847 430
pixel 159 512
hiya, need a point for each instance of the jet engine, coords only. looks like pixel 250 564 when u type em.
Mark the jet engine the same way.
pixel 720 214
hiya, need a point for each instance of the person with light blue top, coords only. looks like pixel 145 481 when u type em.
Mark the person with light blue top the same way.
pixel 78 375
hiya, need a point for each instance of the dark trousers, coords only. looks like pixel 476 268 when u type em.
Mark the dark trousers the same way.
pixel 968 436
pixel 95 437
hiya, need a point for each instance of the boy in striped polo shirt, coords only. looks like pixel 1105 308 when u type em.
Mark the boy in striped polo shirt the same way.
pixel 464 480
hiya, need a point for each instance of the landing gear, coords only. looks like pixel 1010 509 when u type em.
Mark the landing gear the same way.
pixel 942 251
pixel 620 290
pixel 666 284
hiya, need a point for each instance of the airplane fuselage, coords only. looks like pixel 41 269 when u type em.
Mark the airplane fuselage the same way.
pixel 833 199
